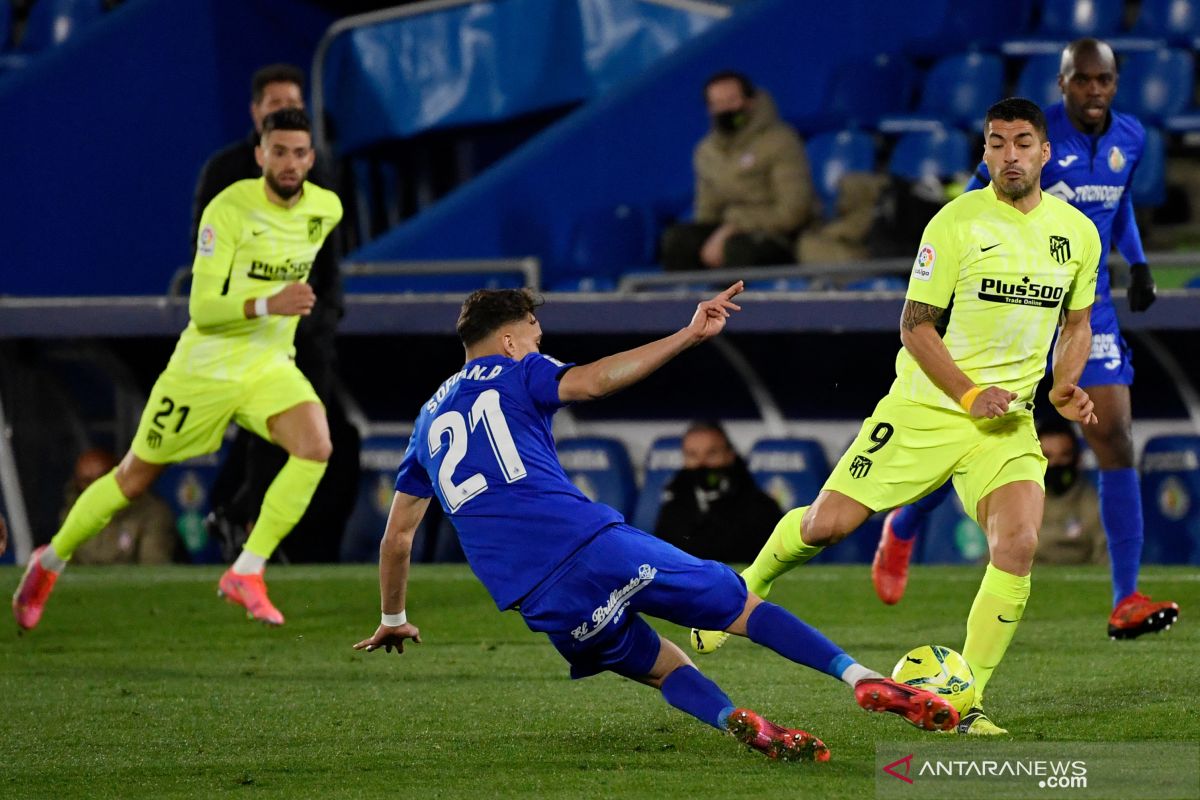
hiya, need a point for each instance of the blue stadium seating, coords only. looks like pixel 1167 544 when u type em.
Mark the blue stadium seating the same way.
pixel 1177 21
pixel 663 460
pixel 1039 80
pixel 832 155
pixel 1150 180
pixel 779 285
pixel 880 283
pixel 1193 283
pixel 1072 19
pixel 1171 499
pixel 863 91
pixel 937 154
pixel 379 458
pixel 790 470
pixel 957 92
pixel 186 486
pixel 52 22
pixel 608 241
pixel 1156 85
pixel 601 469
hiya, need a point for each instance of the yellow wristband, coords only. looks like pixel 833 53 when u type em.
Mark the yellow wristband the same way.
pixel 968 399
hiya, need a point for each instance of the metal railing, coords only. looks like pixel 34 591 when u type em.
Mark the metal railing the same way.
pixel 529 267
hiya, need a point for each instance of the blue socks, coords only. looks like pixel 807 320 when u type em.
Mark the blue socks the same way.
pixel 689 691
pixel 1121 512
pixel 777 629
pixel 911 519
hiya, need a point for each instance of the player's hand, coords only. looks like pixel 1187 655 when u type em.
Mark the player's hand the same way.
pixel 388 637
pixel 1142 291
pixel 712 254
pixel 710 316
pixel 1073 403
pixel 295 300
pixel 992 402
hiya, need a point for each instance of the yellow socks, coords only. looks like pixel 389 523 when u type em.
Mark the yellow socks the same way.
pixel 992 622
pixel 91 512
pixel 284 503
pixel 783 551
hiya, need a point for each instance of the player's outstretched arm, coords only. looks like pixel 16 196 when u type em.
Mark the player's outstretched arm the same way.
pixel 922 341
pixel 613 373
pixel 1070 355
pixel 394 552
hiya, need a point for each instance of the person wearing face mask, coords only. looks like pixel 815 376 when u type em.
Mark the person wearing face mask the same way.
pixel 712 508
pixel 754 189
pixel 1071 531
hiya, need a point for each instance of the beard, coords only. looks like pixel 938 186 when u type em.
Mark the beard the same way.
pixel 1017 190
pixel 285 192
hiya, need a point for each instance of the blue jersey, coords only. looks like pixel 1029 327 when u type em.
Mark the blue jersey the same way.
pixel 517 514
pixel 1095 174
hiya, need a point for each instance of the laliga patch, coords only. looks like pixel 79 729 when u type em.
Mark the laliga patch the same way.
pixel 1116 159
pixel 923 266
pixel 206 243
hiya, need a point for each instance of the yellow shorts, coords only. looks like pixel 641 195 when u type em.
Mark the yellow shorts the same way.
pixel 905 450
pixel 186 415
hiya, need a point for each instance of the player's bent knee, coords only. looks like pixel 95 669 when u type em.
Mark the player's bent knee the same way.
pixel 314 451
pixel 1014 551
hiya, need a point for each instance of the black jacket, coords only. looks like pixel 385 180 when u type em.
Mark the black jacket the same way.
pixel 235 163
pixel 717 514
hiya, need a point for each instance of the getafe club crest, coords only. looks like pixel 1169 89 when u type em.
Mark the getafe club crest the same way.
pixel 314 229
pixel 1060 248
pixel 1116 159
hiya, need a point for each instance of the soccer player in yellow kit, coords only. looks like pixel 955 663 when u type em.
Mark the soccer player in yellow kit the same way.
pixel 1015 262
pixel 234 361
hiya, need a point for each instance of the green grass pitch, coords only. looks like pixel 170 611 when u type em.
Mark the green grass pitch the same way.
pixel 140 683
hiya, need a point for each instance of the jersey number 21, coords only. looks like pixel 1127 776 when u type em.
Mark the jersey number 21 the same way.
pixel 486 409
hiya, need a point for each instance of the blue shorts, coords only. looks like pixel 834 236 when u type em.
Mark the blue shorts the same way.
pixel 589 605
pixel 1111 361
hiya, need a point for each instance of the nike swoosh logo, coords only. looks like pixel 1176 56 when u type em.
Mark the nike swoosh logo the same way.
pixel 1002 619
pixel 993 247
pixel 258 233
pixel 781 561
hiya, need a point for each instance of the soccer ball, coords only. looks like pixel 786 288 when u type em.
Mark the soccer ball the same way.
pixel 939 670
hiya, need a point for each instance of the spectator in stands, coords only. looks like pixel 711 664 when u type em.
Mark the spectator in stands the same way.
pixel 1071 532
pixel 754 190
pixel 712 508
pixel 141 533
pixel 846 237
pixel 253 463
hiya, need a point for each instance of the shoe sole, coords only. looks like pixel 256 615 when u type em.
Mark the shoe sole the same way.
pixel 1158 621
pixel 228 598
pixel 804 747
pixel 927 711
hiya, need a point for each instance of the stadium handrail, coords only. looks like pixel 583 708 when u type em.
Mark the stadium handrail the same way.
pixel 428 7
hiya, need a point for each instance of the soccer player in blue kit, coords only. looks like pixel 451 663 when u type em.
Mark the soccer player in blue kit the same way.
pixel 1094 152
pixel 572 568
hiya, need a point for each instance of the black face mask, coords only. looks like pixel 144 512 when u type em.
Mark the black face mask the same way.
pixel 731 121
pixel 1059 480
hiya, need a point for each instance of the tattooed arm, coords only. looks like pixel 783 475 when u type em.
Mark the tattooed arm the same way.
pixel 923 343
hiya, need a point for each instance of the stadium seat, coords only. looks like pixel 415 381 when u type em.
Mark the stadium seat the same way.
pixel 862 92
pixel 186 486
pixel 1193 283
pixel 1039 80
pixel 601 469
pixel 950 536
pixel 663 460
pixel 1156 85
pixel 939 154
pixel 1177 21
pixel 606 242
pixel 790 470
pixel 1073 19
pixel 52 22
pixel 1150 180
pixel 832 155
pixel 1171 499
pixel 957 92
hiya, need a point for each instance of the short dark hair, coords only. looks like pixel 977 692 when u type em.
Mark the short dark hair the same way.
pixel 286 119
pixel 274 73
pixel 1055 425
pixel 712 426
pixel 1012 109
pixel 487 310
pixel 748 89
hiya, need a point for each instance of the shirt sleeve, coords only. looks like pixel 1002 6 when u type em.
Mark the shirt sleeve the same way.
pixel 980 179
pixel 936 267
pixel 542 374
pixel 1083 287
pixel 412 478
pixel 209 303
pixel 1126 235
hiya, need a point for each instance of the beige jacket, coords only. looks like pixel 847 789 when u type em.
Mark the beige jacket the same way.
pixel 757 179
